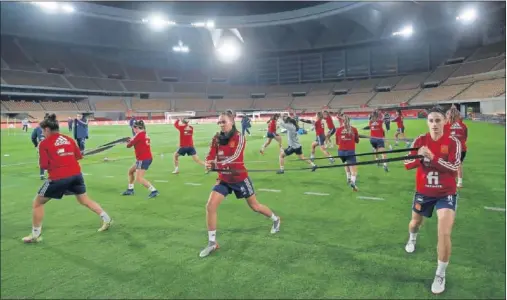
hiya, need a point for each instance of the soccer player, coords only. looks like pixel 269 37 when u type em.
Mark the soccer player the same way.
pixel 245 125
pixel 331 128
pixel 70 122
pixel 25 124
pixel 346 139
pixel 272 133
pixel 377 135
pixel 131 124
pixel 456 128
pixel 186 144
pixel 59 154
pixel 37 137
pixel 387 121
pixel 81 131
pixel 321 137
pixel 142 148
pixel 401 128
pixel 226 155
pixel 294 145
pixel 435 188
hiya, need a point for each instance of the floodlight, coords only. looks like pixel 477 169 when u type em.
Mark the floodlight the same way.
pixel 228 50
pixel 210 24
pixel 47 6
pixel 67 8
pixel 181 48
pixel 467 16
pixel 157 22
pixel 405 31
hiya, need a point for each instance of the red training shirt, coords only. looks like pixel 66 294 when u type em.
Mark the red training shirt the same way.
pixel 272 126
pixel 399 121
pixel 186 134
pixel 329 122
pixel 345 139
pixel 458 130
pixel 59 154
pixel 141 143
pixel 436 178
pixel 376 130
pixel 319 127
pixel 229 157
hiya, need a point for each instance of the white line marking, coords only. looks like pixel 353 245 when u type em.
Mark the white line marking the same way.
pixel 109 176
pixel 7 155
pixel 161 180
pixel 86 174
pixel 191 183
pixel 494 208
pixel 268 190
pixel 316 194
pixel 370 198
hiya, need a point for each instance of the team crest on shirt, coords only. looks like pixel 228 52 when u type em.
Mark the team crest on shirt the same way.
pixel 417 206
pixel 444 149
pixel 232 144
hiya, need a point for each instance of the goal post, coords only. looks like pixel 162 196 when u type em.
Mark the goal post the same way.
pixel 170 117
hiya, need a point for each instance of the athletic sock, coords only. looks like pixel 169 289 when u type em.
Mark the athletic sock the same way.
pixel 441 268
pixel 349 176
pixel 413 236
pixel 36 231
pixel 274 218
pixel 353 179
pixel 131 186
pixel 105 217
pixel 212 236
pixel 152 188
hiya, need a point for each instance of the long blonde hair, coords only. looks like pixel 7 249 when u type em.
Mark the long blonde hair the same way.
pixel 346 123
pixel 454 115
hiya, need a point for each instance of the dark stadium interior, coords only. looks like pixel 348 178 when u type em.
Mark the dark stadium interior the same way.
pixel 319 61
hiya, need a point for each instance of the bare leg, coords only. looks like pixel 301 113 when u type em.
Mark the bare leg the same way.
pixel 197 160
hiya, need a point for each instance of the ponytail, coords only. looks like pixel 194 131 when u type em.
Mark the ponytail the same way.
pixel 346 123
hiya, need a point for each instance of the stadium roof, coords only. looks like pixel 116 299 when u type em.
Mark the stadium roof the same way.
pixel 207 9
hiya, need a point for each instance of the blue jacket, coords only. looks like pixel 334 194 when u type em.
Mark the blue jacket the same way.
pixel 37 136
pixel 80 129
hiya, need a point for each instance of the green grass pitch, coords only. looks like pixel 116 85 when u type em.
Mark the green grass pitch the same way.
pixel 335 246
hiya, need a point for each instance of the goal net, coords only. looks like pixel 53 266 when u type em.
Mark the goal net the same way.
pixel 171 117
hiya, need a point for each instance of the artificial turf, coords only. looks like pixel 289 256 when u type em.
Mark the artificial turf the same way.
pixel 329 246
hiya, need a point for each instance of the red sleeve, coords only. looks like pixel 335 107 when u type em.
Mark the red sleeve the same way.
pixel 356 134
pixel 454 159
pixel 338 135
pixel 133 141
pixel 177 124
pixel 414 163
pixel 240 147
pixel 77 151
pixel 43 156
pixel 212 153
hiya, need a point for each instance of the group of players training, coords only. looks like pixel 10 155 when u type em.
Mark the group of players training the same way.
pixel 437 156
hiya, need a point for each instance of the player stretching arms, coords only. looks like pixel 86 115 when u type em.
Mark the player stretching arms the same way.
pixel 435 188
pixel 59 154
pixel 331 128
pixel 321 137
pixel 141 143
pixel 226 153
pixel 293 141
pixel 186 144
pixel 377 135
pixel 37 137
pixel 346 138
pixel 401 128
pixel 459 130
pixel 272 133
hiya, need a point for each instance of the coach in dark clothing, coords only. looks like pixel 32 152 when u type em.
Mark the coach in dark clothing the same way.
pixel 131 123
pixel 70 122
pixel 81 131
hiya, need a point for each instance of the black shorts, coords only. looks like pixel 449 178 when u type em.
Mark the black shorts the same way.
pixel 55 189
pixel 290 151
pixel 190 151
pixel 463 155
pixel 388 125
pixel 424 205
